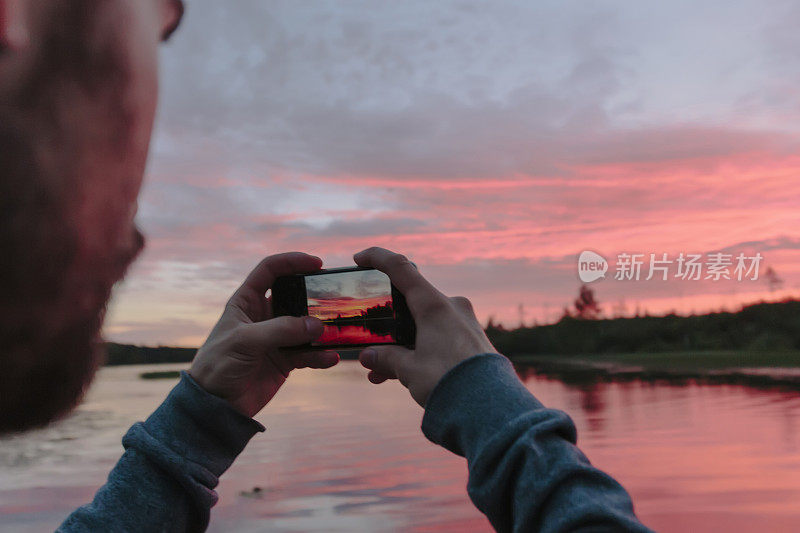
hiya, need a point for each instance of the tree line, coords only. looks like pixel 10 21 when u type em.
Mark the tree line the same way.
pixel 128 354
pixel 762 326
pixel 757 327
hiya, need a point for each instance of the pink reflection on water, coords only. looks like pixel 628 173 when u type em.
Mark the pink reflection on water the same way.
pixel 694 457
pixel 341 454
pixel 350 334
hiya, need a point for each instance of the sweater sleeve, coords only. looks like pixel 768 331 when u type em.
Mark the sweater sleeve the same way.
pixel 525 472
pixel 165 479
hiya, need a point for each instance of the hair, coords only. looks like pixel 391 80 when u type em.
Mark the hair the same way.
pixel 53 289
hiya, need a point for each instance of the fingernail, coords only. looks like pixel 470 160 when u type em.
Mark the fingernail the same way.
pixel 313 325
pixel 368 356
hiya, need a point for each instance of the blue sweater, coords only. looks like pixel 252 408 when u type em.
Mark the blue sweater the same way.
pixel 525 472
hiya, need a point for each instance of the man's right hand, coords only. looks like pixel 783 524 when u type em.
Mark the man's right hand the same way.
pixel 242 361
pixel 447 330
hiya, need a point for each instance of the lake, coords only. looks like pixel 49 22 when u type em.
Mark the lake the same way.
pixel 341 454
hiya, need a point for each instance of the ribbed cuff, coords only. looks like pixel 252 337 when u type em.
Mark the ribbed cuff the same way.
pixel 473 401
pixel 200 427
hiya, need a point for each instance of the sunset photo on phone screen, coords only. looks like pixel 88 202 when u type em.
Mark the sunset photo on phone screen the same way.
pixel 355 307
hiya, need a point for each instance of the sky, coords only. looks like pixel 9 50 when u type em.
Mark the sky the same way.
pixel 346 293
pixel 490 142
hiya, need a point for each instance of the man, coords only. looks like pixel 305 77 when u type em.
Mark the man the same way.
pixel 78 80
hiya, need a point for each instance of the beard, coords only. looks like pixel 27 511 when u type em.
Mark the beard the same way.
pixel 49 353
pixel 53 285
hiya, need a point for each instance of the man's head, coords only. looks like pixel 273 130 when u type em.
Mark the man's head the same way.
pixel 78 90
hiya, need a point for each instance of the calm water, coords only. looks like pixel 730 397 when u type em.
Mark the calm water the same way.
pixel 343 455
pixel 350 334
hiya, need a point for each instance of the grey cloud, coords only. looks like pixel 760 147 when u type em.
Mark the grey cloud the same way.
pixel 341 228
pixel 370 227
pixel 372 283
pixel 778 243
pixel 323 287
pixel 449 90
pixel 430 89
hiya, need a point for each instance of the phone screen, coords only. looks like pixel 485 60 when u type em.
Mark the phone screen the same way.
pixel 355 307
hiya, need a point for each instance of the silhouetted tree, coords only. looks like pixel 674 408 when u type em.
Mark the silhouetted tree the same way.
pixel 493 326
pixel 773 280
pixel 586 306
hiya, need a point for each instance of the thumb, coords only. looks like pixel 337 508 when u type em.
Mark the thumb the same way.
pixel 385 362
pixel 280 332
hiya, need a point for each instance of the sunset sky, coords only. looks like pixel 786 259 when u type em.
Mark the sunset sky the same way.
pixel 346 293
pixel 491 142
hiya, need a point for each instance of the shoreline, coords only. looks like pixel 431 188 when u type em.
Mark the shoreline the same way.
pixel 586 369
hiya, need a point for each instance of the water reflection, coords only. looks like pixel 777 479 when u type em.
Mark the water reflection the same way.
pixel 361 332
pixel 341 454
pixel 694 456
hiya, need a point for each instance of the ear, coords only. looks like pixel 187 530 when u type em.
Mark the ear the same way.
pixel 14 31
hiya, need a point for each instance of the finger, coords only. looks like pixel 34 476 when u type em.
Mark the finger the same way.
pixel 263 275
pixel 463 305
pixel 386 361
pixel 376 378
pixel 249 297
pixel 401 271
pixel 278 332
pixel 404 275
pixel 313 359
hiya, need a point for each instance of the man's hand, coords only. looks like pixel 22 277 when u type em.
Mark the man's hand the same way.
pixel 241 360
pixel 447 330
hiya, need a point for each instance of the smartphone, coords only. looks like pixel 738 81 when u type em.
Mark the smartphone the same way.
pixel 358 307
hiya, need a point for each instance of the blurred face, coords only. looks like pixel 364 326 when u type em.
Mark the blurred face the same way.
pixel 78 92
pixel 121 120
